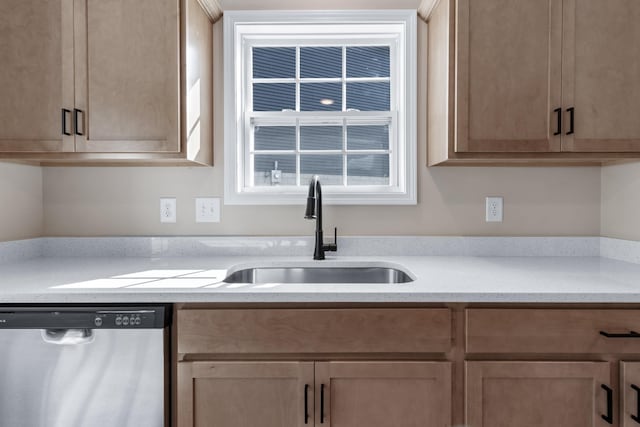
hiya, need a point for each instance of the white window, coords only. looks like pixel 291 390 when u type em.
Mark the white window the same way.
pixel 320 93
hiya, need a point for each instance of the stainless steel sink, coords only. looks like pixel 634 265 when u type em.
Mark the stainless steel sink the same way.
pixel 319 275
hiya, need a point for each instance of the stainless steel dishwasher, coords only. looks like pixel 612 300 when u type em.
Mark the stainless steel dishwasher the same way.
pixel 73 366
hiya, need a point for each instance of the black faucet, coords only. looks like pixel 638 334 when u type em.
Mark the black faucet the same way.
pixel 314 211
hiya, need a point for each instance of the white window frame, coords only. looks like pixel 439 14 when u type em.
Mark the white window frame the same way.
pixel 243 29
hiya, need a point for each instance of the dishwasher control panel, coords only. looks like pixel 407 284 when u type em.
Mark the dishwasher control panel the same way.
pixel 83 317
pixel 124 319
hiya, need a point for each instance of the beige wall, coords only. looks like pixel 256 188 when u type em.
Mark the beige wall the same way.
pixel 123 201
pixel 620 206
pixel 20 201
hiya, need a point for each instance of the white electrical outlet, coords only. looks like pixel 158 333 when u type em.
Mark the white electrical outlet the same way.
pixel 494 209
pixel 168 207
pixel 207 209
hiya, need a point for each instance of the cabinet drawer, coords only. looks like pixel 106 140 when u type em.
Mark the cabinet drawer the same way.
pixel 275 331
pixel 551 331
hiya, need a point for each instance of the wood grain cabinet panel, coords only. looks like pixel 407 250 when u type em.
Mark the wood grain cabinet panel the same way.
pixel 521 81
pixel 127 67
pixel 36 75
pixel 509 75
pixel 313 331
pixel 552 331
pixel 134 76
pixel 534 394
pixel 629 394
pixel 238 394
pixel 383 394
pixel 601 64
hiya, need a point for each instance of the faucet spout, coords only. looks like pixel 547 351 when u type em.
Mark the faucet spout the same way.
pixel 314 211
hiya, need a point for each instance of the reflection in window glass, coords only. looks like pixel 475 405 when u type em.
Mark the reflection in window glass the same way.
pixel 372 96
pixel 274 96
pixel 275 137
pixel 265 163
pixel 320 62
pixel 321 137
pixel 368 169
pixel 320 96
pixel 368 137
pixel 328 167
pixel 368 61
pixel 274 62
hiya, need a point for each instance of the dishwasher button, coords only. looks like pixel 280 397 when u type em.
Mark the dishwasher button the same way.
pixel 125 321
pixel 118 321
pixel 97 321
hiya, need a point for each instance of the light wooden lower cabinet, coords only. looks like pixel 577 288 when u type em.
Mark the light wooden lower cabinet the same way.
pixel 228 394
pixel 337 394
pixel 629 394
pixel 533 394
pixel 408 367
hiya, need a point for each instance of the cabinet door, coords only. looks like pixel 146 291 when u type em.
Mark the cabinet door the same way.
pixel 601 75
pixel 630 394
pixel 383 394
pixel 127 80
pixel 534 394
pixel 238 394
pixel 509 75
pixel 36 75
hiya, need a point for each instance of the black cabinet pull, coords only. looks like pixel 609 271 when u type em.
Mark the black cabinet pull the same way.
pixel 609 417
pixel 321 403
pixel 306 403
pixel 571 112
pixel 64 121
pixel 636 418
pixel 558 112
pixel 77 112
pixel 631 334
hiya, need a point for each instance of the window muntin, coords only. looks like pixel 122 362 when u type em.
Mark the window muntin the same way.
pixel 331 102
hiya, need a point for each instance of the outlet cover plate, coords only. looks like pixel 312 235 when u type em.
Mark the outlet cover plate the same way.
pixel 494 209
pixel 207 209
pixel 168 206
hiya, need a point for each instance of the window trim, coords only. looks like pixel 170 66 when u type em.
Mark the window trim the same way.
pixel 234 123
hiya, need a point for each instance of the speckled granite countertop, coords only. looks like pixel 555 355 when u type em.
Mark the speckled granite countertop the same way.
pixel 575 279
pixel 444 269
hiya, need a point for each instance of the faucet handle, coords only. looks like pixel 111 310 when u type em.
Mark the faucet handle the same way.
pixel 332 247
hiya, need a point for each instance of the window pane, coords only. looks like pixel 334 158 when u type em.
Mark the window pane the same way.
pixel 368 96
pixel 320 97
pixel 275 138
pixel 368 61
pixel 274 62
pixel 274 96
pixel 320 62
pixel 321 137
pixel 264 164
pixel 328 167
pixel 368 137
pixel 368 169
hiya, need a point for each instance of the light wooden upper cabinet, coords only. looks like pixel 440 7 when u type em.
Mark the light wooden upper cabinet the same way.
pixel 127 75
pixel 36 76
pixel 601 66
pixel 509 74
pixel 106 81
pixel 534 394
pixel 533 81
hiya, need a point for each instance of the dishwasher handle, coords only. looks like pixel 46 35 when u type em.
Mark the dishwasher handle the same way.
pixel 67 336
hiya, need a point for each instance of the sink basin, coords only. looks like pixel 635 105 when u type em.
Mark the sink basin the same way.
pixel 319 275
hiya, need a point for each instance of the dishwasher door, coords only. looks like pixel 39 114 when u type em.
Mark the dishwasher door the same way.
pixel 81 378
